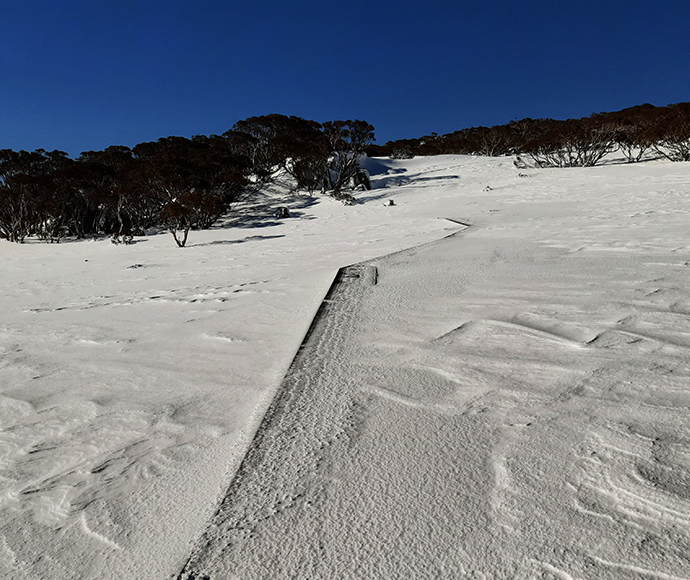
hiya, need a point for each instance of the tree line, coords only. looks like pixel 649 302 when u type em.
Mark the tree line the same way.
pixel 635 132
pixel 183 184
pixel 175 183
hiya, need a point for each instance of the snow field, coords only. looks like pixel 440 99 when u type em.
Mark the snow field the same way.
pixel 509 402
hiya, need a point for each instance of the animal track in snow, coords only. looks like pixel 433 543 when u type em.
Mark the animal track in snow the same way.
pixel 185 295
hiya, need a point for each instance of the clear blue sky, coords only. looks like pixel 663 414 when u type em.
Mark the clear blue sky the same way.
pixel 80 75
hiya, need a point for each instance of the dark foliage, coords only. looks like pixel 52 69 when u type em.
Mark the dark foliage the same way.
pixel 27 202
pixel 348 141
pixel 670 133
pixel 183 184
pixel 176 183
pixel 635 132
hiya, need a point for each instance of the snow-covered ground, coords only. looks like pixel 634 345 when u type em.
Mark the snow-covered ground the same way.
pixel 507 402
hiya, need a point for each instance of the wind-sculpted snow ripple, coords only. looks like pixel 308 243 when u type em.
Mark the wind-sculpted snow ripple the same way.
pixel 58 465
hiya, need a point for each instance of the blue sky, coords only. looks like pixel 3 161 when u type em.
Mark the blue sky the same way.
pixel 80 75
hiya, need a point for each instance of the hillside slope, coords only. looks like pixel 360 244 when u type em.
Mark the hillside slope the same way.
pixel 506 402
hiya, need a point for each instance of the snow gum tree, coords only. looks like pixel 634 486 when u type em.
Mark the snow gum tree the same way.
pixel 118 202
pixel 671 133
pixel 274 142
pixel 25 191
pixel 191 183
pixel 347 142
pixel 573 143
